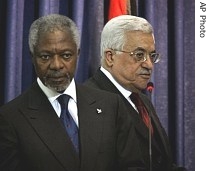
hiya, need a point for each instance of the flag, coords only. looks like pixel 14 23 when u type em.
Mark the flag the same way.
pixel 121 7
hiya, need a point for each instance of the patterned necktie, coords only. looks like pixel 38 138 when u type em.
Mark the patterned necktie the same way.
pixel 68 121
pixel 141 109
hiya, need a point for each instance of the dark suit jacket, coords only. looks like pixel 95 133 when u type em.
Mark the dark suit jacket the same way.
pixel 161 154
pixel 32 137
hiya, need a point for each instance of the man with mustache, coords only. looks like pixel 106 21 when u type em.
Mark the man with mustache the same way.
pixel 128 56
pixel 57 125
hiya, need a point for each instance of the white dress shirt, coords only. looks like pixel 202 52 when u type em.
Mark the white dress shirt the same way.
pixel 53 95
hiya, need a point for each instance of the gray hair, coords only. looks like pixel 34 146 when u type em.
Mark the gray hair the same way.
pixel 50 23
pixel 113 33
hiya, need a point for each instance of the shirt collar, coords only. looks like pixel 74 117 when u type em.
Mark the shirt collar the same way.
pixel 53 95
pixel 124 92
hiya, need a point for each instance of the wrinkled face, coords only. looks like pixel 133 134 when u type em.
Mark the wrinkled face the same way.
pixel 125 68
pixel 55 59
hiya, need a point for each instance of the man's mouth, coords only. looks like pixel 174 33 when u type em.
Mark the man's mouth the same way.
pixel 145 76
pixel 56 78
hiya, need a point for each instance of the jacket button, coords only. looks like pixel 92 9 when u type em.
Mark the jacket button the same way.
pixel 159 159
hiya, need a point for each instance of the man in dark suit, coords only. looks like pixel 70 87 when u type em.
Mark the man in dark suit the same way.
pixel 128 56
pixel 32 134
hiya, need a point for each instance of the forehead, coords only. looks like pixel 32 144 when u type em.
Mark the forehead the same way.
pixel 139 39
pixel 55 35
pixel 56 40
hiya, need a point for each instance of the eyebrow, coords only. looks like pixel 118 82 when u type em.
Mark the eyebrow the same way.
pixel 141 48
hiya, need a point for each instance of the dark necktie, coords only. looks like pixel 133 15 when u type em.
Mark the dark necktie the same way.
pixel 141 109
pixel 68 121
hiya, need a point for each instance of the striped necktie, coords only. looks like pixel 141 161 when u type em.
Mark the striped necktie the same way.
pixel 141 109
pixel 68 121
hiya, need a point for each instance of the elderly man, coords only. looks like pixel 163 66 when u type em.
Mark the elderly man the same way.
pixel 57 125
pixel 128 56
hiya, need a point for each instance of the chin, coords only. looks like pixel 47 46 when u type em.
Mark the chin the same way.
pixel 58 84
pixel 141 86
pixel 58 88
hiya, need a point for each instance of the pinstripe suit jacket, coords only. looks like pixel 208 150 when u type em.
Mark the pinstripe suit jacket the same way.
pixel 32 137
pixel 161 152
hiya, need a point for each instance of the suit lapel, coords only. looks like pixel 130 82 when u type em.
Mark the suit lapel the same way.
pixel 90 127
pixel 42 117
pixel 140 126
pixel 107 85
pixel 99 77
pixel 158 128
pixel 104 83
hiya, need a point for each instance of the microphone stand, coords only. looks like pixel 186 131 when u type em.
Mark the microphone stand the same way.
pixel 150 144
pixel 150 134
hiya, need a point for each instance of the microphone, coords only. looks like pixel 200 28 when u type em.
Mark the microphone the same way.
pixel 150 88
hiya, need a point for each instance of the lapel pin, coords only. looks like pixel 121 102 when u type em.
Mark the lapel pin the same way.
pixel 99 111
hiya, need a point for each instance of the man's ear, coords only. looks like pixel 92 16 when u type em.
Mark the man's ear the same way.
pixel 78 52
pixel 31 54
pixel 32 57
pixel 109 57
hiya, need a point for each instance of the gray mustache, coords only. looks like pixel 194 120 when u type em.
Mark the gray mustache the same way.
pixel 146 72
pixel 55 74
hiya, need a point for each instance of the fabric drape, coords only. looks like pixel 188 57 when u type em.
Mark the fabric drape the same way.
pixel 173 77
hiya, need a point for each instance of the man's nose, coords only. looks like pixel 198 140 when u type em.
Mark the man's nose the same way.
pixel 148 63
pixel 56 63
